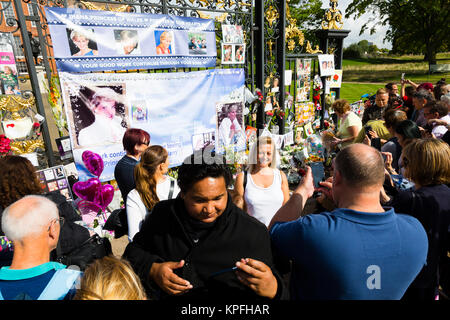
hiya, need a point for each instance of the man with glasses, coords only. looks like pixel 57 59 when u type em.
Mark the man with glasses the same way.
pixel 33 225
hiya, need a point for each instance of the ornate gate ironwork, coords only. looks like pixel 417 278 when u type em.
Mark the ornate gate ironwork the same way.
pixel 240 12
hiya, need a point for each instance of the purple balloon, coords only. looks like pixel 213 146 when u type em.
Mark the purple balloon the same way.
pixel 88 210
pixel 104 196
pixel 93 162
pixel 87 190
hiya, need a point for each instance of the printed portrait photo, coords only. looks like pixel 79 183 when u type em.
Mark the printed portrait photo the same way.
pixel 97 114
pixel 227 54
pixel 230 126
pixel 164 42
pixel 52 186
pixel 232 34
pixel 65 193
pixel 239 54
pixel 326 64
pixel 62 183
pixel 127 42
pixel 197 43
pixel 82 43
pixel 59 172
pixel 139 111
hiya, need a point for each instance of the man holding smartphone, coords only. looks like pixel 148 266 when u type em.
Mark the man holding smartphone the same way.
pixel 357 251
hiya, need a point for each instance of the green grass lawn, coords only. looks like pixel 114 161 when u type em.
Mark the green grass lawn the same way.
pixel 389 68
pixel 353 91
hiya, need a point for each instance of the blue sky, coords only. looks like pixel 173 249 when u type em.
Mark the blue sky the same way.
pixel 354 25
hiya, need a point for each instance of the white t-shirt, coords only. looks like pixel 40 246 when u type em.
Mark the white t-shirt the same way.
pixel 137 211
pixel 263 203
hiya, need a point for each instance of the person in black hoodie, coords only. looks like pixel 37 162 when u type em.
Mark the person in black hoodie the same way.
pixel 187 247
pixel 18 179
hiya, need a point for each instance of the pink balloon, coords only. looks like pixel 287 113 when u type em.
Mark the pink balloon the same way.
pixel 88 210
pixel 104 196
pixel 87 190
pixel 93 162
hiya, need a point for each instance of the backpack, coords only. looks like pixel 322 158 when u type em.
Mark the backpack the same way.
pixel 118 221
pixel 93 248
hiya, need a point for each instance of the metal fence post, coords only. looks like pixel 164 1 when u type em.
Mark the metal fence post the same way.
pixel 259 58
pixel 33 79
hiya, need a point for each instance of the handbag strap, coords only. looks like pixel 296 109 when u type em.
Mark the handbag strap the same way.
pixel 172 187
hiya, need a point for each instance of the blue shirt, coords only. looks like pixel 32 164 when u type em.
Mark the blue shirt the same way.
pixel 27 284
pixel 346 254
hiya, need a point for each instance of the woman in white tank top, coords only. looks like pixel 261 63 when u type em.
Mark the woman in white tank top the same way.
pixel 266 189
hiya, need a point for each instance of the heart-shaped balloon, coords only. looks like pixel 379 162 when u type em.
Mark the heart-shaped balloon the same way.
pixel 87 190
pixel 104 196
pixel 93 162
pixel 88 210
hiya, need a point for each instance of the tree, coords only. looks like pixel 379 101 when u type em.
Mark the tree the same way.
pixel 309 16
pixel 417 26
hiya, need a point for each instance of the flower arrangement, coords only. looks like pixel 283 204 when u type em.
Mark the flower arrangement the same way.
pixel 55 101
pixel 5 145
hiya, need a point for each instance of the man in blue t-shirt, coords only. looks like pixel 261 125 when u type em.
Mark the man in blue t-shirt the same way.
pixel 358 251
pixel 33 224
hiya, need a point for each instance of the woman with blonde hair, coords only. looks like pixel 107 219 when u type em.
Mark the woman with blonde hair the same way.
pixel 349 124
pixel 110 278
pixel 152 186
pixel 263 188
pixel 427 164
pixel 164 46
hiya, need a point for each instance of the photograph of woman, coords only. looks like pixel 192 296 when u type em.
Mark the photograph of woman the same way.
pixel 163 42
pixel 104 111
pixel 230 127
pixel 82 44
pixel 240 54
pixel 127 41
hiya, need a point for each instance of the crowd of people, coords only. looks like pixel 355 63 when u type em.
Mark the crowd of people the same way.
pixel 380 229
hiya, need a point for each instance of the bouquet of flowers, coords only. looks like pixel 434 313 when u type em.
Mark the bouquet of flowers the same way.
pixel 5 147
pixel 55 101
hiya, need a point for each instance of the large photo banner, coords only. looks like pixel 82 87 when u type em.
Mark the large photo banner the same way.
pixel 181 111
pixel 93 40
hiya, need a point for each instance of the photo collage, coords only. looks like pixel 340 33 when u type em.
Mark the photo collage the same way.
pixel 304 112
pixel 303 80
pixel 55 179
pixel 8 70
pixel 233 46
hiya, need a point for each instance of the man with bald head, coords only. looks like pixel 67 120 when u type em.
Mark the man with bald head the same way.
pixel 357 251
pixel 33 225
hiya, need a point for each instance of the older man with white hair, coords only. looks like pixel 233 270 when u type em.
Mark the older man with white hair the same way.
pixel 33 225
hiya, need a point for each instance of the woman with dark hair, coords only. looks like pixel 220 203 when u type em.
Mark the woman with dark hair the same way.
pixel 134 141
pixel 427 164
pixel 18 179
pixel 152 186
pixel 406 132
pixel 200 245
pixel 392 118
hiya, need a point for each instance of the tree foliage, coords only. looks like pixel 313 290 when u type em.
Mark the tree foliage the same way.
pixel 309 16
pixel 416 26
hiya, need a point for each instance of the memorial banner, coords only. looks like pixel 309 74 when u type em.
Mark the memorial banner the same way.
pixel 93 40
pixel 178 110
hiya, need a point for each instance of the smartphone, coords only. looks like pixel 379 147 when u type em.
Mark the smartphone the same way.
pixel 318 172
pixel 367 129
pixel 403 76
pixel 223 271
